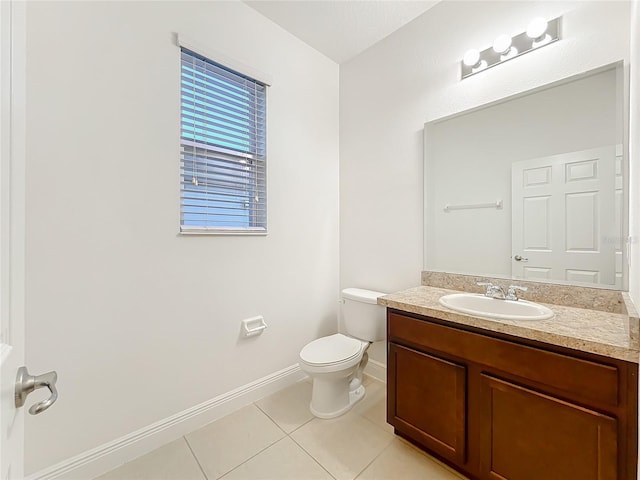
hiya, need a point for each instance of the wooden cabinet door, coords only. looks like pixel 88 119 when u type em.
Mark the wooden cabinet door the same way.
pixel 427 400
pixel 527 435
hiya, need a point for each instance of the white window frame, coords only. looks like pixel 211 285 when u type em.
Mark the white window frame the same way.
pixel 244 70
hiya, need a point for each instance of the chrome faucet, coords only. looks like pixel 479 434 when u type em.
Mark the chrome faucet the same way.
pixel 493 290
pixel 496 291
pixel 511 292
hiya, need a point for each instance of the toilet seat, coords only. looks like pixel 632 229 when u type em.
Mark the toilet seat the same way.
pixel 335 363
pixel 332 350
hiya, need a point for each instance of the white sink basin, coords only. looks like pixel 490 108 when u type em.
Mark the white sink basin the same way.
pixel 482 306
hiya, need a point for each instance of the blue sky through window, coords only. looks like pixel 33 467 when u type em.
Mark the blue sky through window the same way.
pixel 222 132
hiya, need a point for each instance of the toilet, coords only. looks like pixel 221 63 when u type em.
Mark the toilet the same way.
pixel 335 363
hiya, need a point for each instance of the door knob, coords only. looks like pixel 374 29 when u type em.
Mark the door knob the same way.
pixel 519 258
pixel 25 384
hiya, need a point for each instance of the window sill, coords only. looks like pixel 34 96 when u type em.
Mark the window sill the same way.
pixel 230 232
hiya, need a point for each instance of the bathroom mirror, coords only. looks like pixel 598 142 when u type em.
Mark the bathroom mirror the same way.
pixel 532 187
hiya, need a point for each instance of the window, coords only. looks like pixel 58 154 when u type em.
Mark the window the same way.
pixel 223 149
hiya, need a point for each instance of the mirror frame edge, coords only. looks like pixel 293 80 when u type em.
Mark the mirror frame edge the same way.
pixel 622 68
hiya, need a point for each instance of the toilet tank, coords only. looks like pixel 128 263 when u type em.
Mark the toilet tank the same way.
pixel 363 317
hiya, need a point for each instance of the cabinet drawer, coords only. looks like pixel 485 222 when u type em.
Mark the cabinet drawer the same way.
pixel 584 379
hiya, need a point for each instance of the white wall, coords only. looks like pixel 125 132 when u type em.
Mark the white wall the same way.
pixel 388 92
pixel 634 155
pixel 139 322
pixel 634 161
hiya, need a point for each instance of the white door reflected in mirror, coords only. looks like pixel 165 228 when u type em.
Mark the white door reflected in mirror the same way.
pixel 568 218
pixel 561 217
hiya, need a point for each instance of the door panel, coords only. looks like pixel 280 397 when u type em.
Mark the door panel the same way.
pixel 12 234
pixel 430 400
pixel 619 209
pixel 562 222
pixel 581 222
pixel 537 223
pixel 527 435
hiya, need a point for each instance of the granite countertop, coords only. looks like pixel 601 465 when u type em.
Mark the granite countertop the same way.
pixel 592 331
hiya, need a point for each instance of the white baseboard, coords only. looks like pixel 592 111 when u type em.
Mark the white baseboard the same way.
pixel 377 370
pixel 104 458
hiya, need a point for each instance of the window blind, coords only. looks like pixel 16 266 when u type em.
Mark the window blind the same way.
pixel 223 149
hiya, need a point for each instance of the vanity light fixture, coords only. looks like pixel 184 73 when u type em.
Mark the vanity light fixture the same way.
pixel 503 47
pixel 539 32
pixel 472 60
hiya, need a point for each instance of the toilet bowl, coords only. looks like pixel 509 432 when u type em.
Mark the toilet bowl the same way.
pixel 332 362
pixel 335 363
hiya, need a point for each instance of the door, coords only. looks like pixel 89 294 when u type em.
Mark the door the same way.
pixel 563 217
pixel 11 235
pixel 619 206
pixel 527 435
pixel 428 400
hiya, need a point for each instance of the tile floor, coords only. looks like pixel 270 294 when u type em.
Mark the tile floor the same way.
pixel 278 438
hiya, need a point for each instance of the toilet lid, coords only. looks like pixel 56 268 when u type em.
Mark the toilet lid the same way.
pixel 332 349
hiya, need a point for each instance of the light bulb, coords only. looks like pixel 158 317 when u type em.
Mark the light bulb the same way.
pixel 471 57
pixel 482 64
pixel 537 28
pixel 502 44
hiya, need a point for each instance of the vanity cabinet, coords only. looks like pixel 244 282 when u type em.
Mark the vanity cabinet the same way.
pixel 529 435
pixel 431 400
pixel 504 408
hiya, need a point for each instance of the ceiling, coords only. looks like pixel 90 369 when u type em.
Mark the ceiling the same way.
pixel 341 29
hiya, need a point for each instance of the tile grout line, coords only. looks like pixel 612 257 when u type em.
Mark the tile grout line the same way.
pixel 195 458
pixel 251 457
pixel 414 447
pixel 288 435
pixel 355 413
pixel 374 419
pixel 278 425
pixel 363 415
pixel 433 459
pixel 312 457
pixel 373 460
pixel 265 448
pixel 375 423
pixel 269 417
pixel 300 426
